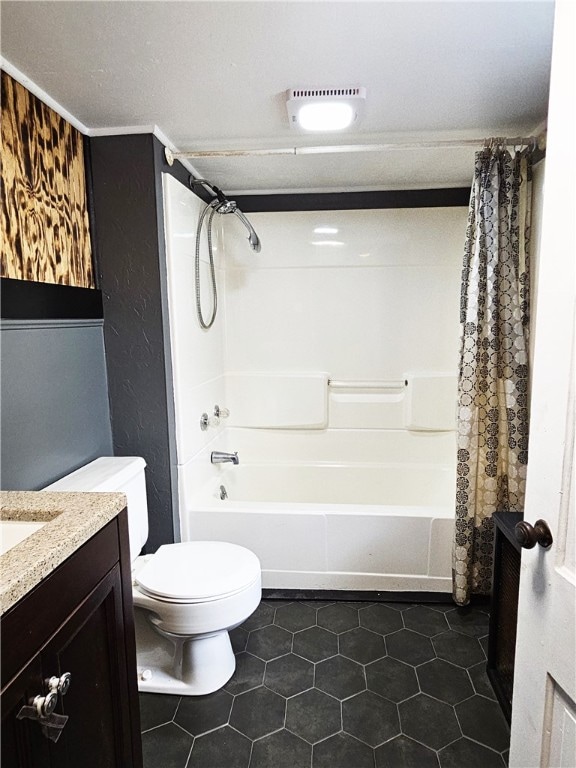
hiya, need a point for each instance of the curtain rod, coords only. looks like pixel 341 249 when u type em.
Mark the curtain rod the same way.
pixel 320 150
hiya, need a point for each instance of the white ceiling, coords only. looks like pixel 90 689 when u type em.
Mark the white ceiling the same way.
pixel 213 75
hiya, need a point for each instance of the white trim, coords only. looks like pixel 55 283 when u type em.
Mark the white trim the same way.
pixel 24 80
pixel 163 139
pixel 41 94
pixel 119 130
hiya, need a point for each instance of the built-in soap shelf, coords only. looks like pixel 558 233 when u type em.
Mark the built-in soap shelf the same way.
pixel 380 385
pixel 419 401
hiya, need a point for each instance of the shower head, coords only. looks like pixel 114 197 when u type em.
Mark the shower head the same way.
pixel 222 205
pixel 253 238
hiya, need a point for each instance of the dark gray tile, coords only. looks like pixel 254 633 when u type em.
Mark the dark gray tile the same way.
pixel 340 677
pixel 313 715
pixel 467 753
pixel 168 746
pixel 258 712
pixel 410 647
pixel 357 603
pixel 315 644
pixel 342 751
pixel 262 616
pixel 397 606
pixel 442 607
pixel 156 709
pixel 506 756
pixel 295 617
pixel 224 747
pixel 444 681
pixel 281 750
pixel 370 718
pixel 274 602
pixel 484 643
pixel 337 617
pixel 403 752
pixel 460 649
pixel 361 645
pixel 317 603
pixel 424 620
pixel 392 678
pixel 200 714
pixel 381 618
pixel 289 675
pixel 269 642
pixel 249 674
pixel 238 638
pixel 432 723
pixel 482 720
pixel 480 680
pixel 469 621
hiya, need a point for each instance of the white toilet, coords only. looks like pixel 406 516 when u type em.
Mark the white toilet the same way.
pixel 188 596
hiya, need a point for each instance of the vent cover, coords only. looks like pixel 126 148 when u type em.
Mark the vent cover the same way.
pixel 303 93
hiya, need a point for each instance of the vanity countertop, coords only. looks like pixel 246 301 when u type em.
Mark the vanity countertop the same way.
pixel 70 520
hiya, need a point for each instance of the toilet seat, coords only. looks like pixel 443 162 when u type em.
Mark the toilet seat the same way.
pixel 197 572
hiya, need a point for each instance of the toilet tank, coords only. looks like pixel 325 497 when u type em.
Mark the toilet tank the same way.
pixel 120 474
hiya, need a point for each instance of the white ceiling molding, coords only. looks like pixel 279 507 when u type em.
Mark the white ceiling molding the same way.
pixel 30 85
pixel 124 130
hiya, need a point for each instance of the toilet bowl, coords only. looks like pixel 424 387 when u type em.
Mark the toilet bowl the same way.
pixel 186 596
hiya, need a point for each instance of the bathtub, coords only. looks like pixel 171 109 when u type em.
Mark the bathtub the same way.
pixel 321 516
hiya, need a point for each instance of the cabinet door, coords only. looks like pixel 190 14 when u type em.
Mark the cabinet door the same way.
pixel 23 745
pixel 90 645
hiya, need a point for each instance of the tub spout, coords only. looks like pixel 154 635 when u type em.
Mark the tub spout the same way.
pixel 219 457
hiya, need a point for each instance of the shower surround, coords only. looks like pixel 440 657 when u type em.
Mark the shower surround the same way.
pixel 335 351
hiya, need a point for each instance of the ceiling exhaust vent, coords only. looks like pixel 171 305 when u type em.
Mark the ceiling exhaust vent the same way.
pixel 325 109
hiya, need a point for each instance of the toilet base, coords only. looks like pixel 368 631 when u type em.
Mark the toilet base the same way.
pixel 181 666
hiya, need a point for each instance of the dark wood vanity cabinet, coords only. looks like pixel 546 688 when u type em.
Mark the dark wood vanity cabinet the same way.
pixel 78 620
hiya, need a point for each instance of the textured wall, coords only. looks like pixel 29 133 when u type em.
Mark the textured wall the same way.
pixel 44 222
pixel 130 248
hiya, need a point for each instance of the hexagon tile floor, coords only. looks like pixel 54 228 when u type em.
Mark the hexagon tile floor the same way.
pixel 340 685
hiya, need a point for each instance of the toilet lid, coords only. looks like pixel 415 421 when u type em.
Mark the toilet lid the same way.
pixel 198 570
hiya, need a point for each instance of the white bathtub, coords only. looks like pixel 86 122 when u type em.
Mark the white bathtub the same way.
pixel 348 525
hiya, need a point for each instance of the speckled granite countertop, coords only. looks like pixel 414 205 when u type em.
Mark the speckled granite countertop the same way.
pixel 71 519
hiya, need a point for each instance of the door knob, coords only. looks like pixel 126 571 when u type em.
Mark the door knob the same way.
pixel 529 535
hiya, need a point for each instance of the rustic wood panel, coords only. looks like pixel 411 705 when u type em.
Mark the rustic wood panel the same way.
pixel 44 218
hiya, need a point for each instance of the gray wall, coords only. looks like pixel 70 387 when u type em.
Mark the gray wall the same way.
pixel 55 414
pixel 131 264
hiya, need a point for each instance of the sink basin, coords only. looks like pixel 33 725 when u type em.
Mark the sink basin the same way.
pixel 12 532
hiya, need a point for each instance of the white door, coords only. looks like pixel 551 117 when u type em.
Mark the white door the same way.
pixel 544 709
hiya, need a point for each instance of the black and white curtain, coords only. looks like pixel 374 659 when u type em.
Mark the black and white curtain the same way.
pixel 493 371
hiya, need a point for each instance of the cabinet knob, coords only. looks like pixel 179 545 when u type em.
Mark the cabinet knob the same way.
pixel 60 685
pixel 45 705
pixel 529 535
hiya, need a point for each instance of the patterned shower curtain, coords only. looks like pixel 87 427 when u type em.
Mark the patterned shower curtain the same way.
pixel 493 372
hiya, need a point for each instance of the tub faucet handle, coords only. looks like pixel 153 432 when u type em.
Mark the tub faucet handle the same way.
pixel 221 412
pixel 208 421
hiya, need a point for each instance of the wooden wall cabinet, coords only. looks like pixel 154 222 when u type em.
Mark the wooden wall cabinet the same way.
pixel 78 620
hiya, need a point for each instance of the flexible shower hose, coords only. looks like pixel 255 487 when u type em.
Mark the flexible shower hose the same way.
pixel 206 323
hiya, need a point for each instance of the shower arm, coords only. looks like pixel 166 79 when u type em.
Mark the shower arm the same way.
pixel 218 194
